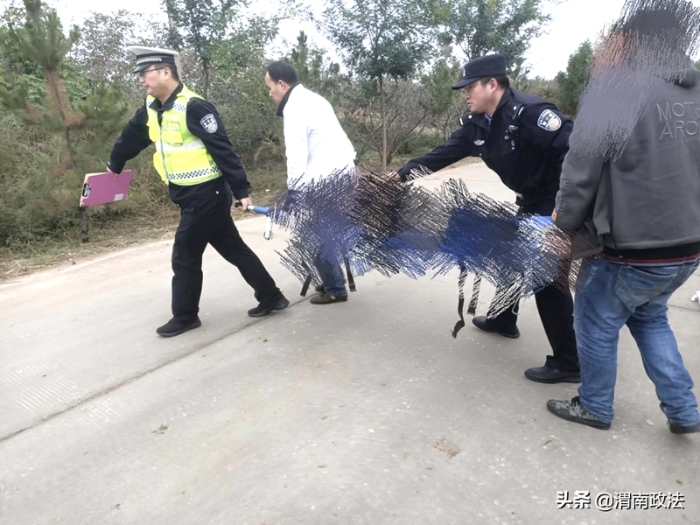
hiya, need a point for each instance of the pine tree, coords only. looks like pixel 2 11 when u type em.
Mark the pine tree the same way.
pixel 572 82
pixel 41 41
pixel 72 111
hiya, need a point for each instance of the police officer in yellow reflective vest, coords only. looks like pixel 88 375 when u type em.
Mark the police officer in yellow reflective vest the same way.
pixel 196 160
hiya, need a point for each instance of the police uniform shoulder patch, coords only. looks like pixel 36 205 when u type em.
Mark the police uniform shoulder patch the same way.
pixel 549 120
pixel 209 124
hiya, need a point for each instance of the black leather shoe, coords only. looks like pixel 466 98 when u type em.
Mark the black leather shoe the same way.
pixel 264 309
pixel 544 374
pixel 680 429
pixel 575 412
pixel 487 325
pixel 178 326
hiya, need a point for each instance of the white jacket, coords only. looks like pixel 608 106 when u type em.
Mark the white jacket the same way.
pixel 316 145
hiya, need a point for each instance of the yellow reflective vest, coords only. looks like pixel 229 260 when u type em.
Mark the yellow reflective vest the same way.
pixel 180 157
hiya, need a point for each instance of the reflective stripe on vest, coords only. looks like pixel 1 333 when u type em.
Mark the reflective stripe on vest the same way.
pixel 184 178
pixel 180 156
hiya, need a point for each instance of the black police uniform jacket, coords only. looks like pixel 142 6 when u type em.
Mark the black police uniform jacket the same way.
pixel 525 144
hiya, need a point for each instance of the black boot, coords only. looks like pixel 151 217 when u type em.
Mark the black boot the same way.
pixel 487 325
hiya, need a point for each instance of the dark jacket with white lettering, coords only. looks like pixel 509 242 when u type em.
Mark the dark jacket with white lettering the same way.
pixel 525 144
pixel 646 204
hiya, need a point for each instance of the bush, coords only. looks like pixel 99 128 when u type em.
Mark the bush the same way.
pixel 39 197
pixel 248 113
pixel 420 144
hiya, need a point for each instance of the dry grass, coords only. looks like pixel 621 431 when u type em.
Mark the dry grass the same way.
pixel 22 260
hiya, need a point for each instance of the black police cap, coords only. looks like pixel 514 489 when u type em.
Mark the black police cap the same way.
pixel 486 66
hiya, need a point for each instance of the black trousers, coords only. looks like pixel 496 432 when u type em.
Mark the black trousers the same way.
pixel 555 306
pixel 210 222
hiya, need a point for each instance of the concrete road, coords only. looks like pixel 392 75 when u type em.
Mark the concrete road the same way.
pixel 366 412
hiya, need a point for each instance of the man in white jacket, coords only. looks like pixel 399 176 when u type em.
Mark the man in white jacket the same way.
pixel 316 147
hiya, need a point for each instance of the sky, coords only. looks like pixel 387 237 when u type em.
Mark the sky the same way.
pixel 573 21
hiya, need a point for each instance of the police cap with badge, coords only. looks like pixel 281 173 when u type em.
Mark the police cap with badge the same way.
pixel 490 66
pixel 149 56
pixel 482 67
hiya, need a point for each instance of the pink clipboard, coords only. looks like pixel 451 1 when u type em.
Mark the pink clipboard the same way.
pixel 101 188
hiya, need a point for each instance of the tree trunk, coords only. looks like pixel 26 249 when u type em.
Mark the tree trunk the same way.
pixel 173 37
pixel 84 228
pixel 172 25
pixel 70 157
pixel 383 109
pixel 206 80
pixel 59 103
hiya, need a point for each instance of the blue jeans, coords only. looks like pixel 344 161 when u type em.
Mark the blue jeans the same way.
pixel 611 295
pixel 331 276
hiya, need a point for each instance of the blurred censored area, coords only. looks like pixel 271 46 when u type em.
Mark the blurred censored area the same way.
pixel 367 222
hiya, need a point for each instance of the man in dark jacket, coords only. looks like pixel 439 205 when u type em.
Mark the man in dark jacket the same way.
pixel 524 140
pixel 642 208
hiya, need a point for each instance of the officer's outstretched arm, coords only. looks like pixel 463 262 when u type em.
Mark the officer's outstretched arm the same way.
pixel 215 139
pixel 458 147
pixel 133 140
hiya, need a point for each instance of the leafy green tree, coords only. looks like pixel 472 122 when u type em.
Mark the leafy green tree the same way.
pixel 443 103
pixel 572 82
pixel 314 70
pixel 382 40
pixel 479 27
pixel 545 88
pixel 306 61
pixel 198 25
pixel 212 29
